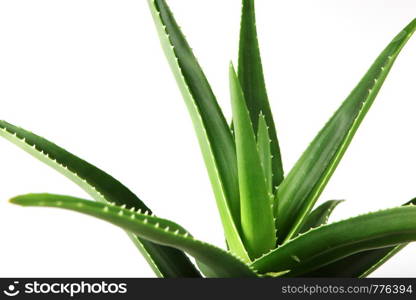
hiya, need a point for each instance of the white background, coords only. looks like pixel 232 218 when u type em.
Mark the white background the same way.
pixel 90 76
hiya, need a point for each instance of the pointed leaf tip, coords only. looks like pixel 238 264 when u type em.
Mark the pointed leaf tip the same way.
pixel 256 213
pixel 304 184
pixel 165 261
pixel 213 133
pixel 250 74
pixel 161 231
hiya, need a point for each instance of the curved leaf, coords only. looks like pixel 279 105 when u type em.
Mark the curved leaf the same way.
pixel 165 261
pixel 329 243
pixel 214 135
pixel 250 73
pixel 303 185
pixel 161 231
pixel 257 220
pixel 320 215
pixel 358 265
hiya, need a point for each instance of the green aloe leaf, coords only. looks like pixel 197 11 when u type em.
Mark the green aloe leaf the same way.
pixel 358 265
pixel 329 243
pixel 361 264
pixel 165 261
pixel 250 73
pixel 303 185
pixel 263 144
pixel 214 135
pixel 161 231
pixel 257 220
pixel 320 215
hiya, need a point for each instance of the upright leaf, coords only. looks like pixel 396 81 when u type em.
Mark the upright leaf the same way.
pixel 165 261
pixel 257 220
pixel 329 243
pixel 319 216
pixel 214 135
pixel 263 144
pixel 303 185
pixel 250 73
pixel 360 264
pixel 157 230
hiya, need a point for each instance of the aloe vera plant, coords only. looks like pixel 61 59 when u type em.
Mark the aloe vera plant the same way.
pixel 270 222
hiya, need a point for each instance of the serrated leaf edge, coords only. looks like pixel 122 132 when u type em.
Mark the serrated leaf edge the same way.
pixel 82 182
pixel 144 218
pixel 300 235
pixel 191 97
pixel 365 105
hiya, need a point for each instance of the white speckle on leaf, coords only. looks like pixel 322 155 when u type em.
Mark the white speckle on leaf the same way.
pixel 295 258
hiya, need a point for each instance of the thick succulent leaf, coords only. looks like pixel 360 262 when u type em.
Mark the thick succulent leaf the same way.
pixel 328 243
pixel 263 144
pixel 161 231
pixel 214 135
pixel 319 216
pixel 250 73
pixel 303 185
pixel 165 261
pixel 360 264
pixel 257 220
